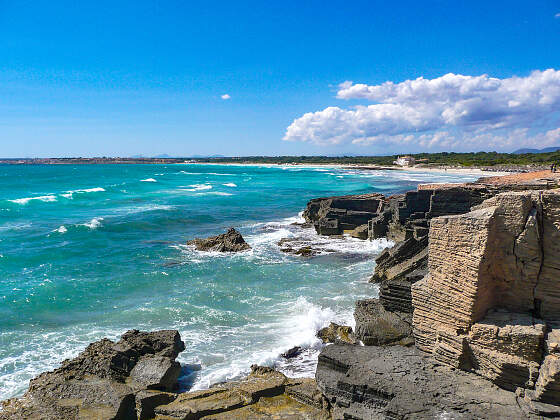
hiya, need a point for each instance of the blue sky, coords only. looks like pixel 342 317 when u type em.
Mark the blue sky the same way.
pixel 144 77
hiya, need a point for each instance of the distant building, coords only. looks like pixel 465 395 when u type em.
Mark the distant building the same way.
pixel 404 161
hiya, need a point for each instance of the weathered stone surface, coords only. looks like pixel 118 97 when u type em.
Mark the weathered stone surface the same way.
pixel 231 241
pixel 489 293
pixel 337 333
pixel 375 326
pixel 361 232
pixel 98 383
pixel 264 394
pixel 337 215
pixel 400 383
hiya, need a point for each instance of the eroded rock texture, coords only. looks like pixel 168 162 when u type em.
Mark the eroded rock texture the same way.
pixel 401 383
pixel 231 241
pixel 108 380
pixel 492 290
pixel 337 215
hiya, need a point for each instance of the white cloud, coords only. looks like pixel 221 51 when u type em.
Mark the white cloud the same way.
pixel 225 97
pixel 452 111
pixel 557 15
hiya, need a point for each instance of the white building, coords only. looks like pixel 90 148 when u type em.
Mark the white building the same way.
pixel 404 161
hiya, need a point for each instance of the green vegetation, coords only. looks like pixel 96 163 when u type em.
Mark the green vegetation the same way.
pixel 444 158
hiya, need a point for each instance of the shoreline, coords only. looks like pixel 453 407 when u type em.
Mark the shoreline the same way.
pixel 456 171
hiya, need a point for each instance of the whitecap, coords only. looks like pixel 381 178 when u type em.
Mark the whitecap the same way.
pixel 230 184
pixel 94 223
pixel 199 187
pixel 70 193
pixel 61 229
pixel 25 200
pixel 148 180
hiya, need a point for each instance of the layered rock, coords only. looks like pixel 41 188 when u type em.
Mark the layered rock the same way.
pixel 264 394
pixel 401 383
pixel 492 291
pixel 231 241
pixel 343 214
pixel 108 380
pixel 376 326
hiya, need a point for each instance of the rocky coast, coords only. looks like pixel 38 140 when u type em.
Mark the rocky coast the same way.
pixel 466 325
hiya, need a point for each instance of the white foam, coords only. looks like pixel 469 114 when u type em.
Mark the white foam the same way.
pixel 199 187
pixel 61 229
pixel 215 193
pixel 25 200
pixel 148 180
pixel 230 184
pixel 94 223
pixel 69 194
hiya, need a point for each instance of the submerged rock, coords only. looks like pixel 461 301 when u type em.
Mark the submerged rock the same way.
pixel 231 241
pixel 291 353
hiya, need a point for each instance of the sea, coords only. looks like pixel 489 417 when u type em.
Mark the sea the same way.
pixel 90 251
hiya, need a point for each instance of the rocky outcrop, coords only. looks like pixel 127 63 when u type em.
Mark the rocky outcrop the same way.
pixel 375 326
pixel 492 292
pixel 335 333
pixel 231 241
pixel 401 383
pixel 337 215
pixel 264 394
pixel 108 380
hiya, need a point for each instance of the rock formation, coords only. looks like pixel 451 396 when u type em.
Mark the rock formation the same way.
pixel 231 241
pixel 337 215
pixel 264 394
pixel 335 333
pixel 401 383
pixel 108 380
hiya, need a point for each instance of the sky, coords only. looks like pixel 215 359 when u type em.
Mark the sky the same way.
pixel 84 78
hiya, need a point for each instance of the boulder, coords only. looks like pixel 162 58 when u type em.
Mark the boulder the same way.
pixel 231 241
pixel 335 333
pixel 376 326
pixel 105 381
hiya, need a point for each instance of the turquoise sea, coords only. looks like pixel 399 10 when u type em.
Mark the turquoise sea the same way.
pixel 90 251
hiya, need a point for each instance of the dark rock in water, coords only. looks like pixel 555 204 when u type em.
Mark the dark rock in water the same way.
pixel 107 380
pixel 401 383
pixel 376 326
pixel 302 247
pixel 335 333
pixel 293 352
pixel 231 241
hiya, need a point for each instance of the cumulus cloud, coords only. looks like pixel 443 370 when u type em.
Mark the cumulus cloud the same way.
pixel 452 111
pixel 225 97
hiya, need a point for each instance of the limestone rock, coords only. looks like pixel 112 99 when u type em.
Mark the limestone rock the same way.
pixel 400 383
pixel 231 241
pixel 264 394
pixel 337 215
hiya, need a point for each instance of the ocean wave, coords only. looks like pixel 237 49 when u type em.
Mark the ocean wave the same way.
pixel 225 194
pixel 94 223
pixel 70 193
pixel 25 200
pixel 14 226
pixel 61 229
pixel 148 180
pixel 199 187
pixel 229 184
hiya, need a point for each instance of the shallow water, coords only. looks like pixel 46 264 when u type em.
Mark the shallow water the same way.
pixel 91 251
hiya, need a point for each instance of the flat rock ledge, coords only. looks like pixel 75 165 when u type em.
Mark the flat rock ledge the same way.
pixel 231 241
pixel 403 383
